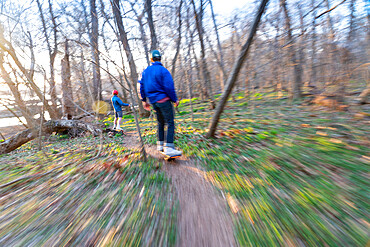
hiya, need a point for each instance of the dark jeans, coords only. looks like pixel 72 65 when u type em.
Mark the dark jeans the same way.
pixel 118 114
pixel 165 115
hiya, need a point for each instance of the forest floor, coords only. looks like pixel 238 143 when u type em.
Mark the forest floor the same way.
pixel 275 175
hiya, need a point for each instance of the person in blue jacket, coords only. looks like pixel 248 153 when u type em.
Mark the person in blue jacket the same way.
pixel 157 87
pixel 117 105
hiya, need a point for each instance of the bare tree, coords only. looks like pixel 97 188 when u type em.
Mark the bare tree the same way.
pixel 94 35
pixel 178 42
pixel 68 105
pixel 124 40
pixel 351 33
pixel 153 36
pixel 7 47
pixel 52 49
pixel 206 76
pixel 139 19
pixel 313 46
pixel 220 51
pixel 235 72
pixel 297 82
pixel 17 96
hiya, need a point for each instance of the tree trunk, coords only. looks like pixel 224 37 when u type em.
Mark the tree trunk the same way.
pixel 189 78
pixel 67 96
pixel 206 75
pixel 125 98
pixel 330 45
pixel 301 45
pixel 178 42
pixel 6 46
pixel 32 66
pixel 235 72
pixel 17 96
pixel 94 35
pixel 153 36
pixel 86 87
pixel 201 88
pixel 277 57
pixel 123 39
pixel 139 19
pixel 221 58
pixel 190 44
pixel 351 22
pixel 107 62
pixel 313 47
pixel 219 62
pixel 297 82
pixel 52 52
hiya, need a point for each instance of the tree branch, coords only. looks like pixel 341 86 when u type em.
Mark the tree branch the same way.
pixel 329 10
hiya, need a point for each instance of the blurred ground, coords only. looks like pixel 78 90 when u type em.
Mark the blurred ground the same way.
pixel 277 174
pixel 203 218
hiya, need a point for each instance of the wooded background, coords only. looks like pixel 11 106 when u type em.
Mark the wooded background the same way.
pixel 59 57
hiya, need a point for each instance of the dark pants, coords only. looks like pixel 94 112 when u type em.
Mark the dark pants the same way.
pixel 118 114
pixel 165 115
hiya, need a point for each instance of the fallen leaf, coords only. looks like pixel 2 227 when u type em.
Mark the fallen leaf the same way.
pixel 366 157
pixel 232 203
pixel 352 147
pixel 359 116
pixel 333 140
pixel 322 128
pixel 321 133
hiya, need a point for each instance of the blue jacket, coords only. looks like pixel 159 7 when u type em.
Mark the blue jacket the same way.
pixel 117 103
pixel 156 84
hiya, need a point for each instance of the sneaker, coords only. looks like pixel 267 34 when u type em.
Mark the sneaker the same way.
pixel 160 146
pixel 114 127
pixel 172 152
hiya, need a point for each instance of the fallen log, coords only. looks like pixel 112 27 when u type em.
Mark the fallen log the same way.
pixel 49 127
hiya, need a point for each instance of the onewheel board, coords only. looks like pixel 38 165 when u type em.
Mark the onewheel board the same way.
pixel 169 158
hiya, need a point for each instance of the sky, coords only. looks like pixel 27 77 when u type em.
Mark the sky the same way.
pixel 226 7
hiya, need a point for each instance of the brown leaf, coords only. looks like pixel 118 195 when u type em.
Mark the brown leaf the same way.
pixel 352 147
pixel 232 203
pixel 333 140
pixel 359 116
pixel 321 133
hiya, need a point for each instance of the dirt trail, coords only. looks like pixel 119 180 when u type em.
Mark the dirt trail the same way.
pixel 203 218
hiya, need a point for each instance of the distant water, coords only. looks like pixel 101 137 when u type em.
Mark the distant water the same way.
pixel 13 121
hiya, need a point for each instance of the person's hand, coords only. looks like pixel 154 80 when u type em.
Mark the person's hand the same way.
pixel 177 103
pixel 146 106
